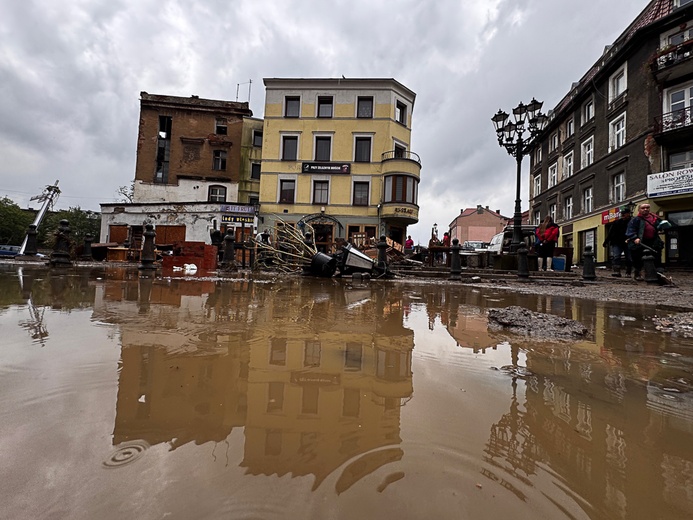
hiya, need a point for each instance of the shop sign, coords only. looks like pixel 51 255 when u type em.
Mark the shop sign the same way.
pixel 404 211
pixel 235 219
pixel 323 167
pixel 674 182
pixel 610 215
pixel 299 378
pixel 245 210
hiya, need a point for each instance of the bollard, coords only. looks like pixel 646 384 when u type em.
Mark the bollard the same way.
pixel 382 253
pixel 649 268
pixel 31 247
pixel 229 261
pixel 148 255
pixel 60 257
pixel 455 260
pixel 86 254
pixel 522 262
pixel 588 272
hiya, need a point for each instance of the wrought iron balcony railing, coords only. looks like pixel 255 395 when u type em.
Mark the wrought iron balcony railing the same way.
pixel 401 154
pixel 673 55
pixel 674 120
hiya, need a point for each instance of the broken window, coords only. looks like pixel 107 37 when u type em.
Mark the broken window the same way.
pixel 221 128
pixel 163 149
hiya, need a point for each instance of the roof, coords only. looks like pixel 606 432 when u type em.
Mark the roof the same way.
pixel 339 83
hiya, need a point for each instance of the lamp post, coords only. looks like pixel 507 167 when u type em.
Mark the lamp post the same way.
pixel 511 136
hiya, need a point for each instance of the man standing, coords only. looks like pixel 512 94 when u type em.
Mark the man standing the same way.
pixel 643 231
pixel 617 239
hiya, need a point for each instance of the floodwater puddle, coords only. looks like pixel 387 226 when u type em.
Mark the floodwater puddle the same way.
pixel 127 396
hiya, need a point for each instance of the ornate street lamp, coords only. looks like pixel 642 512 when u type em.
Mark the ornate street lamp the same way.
pixel 511 136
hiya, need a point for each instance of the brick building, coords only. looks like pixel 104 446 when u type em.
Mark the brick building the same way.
pixel 477 224
pixel 624 135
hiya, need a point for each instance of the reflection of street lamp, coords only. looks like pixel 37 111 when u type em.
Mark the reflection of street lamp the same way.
pixel 511 137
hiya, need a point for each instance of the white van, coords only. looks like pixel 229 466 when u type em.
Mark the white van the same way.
pixel 500 243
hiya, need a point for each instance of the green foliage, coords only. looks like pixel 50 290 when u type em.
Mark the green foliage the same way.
pixel 14 222
pixel 82 223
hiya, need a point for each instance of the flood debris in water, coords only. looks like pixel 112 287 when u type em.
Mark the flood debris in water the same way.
pixel 519 320
pixel 678 324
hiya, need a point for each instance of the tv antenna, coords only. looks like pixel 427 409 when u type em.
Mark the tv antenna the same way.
pixel 238 86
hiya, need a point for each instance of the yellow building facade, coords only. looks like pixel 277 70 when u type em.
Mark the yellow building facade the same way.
pixel 336 155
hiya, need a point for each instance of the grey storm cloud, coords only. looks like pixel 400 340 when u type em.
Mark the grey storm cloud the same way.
pixel 71 73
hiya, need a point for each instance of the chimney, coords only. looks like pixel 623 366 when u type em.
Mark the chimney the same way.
pixel 497 212
pixel 487 207
pixel 479 209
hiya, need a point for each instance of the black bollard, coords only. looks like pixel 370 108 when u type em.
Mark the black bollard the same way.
pixel 522 262
pixel 455 260
pixel 31 247
pixel 649 268
pixel 588 272
pixel 86 254
pixel 148 254
pixel 229 261
pixel 145 291
pixel 60 257
pixel 382 253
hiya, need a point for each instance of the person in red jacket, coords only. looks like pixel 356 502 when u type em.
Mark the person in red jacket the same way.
pixel 547 237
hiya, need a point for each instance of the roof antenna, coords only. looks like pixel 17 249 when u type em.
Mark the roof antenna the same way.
pixel 238 86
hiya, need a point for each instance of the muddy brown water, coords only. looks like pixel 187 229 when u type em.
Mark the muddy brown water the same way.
pixel 193 397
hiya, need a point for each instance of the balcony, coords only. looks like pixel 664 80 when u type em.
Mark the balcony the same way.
pixel 673 62
pixel 674 127
pixel 400 161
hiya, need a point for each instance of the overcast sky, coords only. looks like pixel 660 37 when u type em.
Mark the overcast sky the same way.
pixel 71 72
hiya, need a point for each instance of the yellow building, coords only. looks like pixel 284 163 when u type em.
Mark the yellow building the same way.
pixel 336 154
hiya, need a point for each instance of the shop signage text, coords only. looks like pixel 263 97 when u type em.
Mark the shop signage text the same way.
pixel 317 167
pixel 233 219
pixel 246 210
pixel 670 183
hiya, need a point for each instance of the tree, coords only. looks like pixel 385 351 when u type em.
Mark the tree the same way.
pixel 14 222
pixel 126 193
pixel 82 223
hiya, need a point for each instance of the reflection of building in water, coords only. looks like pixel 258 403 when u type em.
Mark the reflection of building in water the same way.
pixel 590 415
pixel 316 373
pixel 326 384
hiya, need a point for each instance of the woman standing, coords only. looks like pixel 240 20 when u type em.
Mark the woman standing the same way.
pixel 547 237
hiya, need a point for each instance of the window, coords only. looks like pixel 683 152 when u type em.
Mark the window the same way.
pixel 553 142
pixel 587 152
pixel 254 200
pixel 362 149
pixel 217 194
pixel 325 106
pixel 553 174
pixel 277 351
pixel 323 147
pixel 401 113
pixel 537 185
pixel 364 107
pixel 257 138
pixel 537 155
pixel 617 83
pixel 401 188
pixel 587 112
pixel 680 102
pixel 361 191
pixel 569 127
pixel 587 200
pixel 275 397
pixel 163 150
pixel 568 208
pixel 681 3
pixel 289 148
pixel 679 161
pixel 536 220
pixel 220 128
pixel 568 165
pixel 619 187
pixel 292 106
pixel 311 354
pixel 219 162
pixel 353 355
pixel 552 211
pixel 255 171
pixel 287 190
pixel 400 151
pixel 321 191
pixel 351 403
pixel 310 398
pixel 617 134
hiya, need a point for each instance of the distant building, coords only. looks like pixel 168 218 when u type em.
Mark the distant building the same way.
pixel 477 224
pixel 623 135
pixel 197 171
pixel 337 155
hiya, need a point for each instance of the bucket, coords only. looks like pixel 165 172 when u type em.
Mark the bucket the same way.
pixel 558 263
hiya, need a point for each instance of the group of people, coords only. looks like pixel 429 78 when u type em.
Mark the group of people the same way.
pixel 629 237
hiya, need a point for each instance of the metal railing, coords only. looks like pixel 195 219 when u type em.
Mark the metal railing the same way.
pixel 674 120
pixel 400 154
pixel 673 55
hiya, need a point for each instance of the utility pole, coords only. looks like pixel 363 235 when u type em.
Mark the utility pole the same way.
pixel 48 197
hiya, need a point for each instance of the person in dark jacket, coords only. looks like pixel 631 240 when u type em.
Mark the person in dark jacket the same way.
pixel 616 238
pixel 547 237
pixel 643 230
